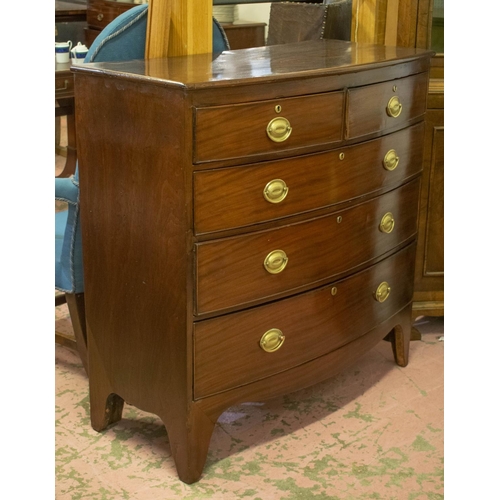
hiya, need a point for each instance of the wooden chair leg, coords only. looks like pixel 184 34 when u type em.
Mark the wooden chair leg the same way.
pixel 76 307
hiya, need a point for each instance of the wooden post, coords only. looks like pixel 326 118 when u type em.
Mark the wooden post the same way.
pixel 158 28
pixel 178 28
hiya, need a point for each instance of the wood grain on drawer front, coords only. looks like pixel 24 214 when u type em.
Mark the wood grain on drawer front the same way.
pixel 234 197
pixel 227 350
pixel 367 106
pixel 230 272
pixel 239 130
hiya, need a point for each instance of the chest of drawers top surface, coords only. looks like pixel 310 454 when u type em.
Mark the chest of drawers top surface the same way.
pixel 262 64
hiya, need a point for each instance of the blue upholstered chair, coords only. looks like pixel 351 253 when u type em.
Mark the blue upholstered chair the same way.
pixel 122 40
pixel 68 267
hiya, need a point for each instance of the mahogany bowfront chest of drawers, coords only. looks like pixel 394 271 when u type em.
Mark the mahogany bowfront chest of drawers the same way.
pixel 249 224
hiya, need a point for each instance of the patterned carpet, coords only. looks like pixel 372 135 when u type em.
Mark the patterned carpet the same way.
pixel 373 432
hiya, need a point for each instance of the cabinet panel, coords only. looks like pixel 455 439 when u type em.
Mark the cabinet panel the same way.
pixel 434 244
pixel 428 297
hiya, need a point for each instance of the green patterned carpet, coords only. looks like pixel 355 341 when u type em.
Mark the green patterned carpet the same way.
pixel 373 432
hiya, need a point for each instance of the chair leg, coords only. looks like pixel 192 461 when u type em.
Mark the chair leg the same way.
pixel 76 307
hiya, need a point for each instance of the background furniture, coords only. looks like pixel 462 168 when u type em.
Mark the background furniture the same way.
pixel 291 22
pixel 68 263
pixel 100 13
pixel 65 106
pixel 70 20
pixel 429 271
pixel 245 235
pixel 242 35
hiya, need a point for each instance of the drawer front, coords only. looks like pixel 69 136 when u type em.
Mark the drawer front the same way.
pixel 385 106
pixel 245 130
pixel 228 350
pixel 237 271
pixel 99 16
pixel 65 86
pixel 241 196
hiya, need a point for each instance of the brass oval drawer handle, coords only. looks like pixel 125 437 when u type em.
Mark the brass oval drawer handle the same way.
pixel 272 340
pixel 275 261
pixel 382 292
pixel 275 191
pixel 100 16
pixel 387 223
pixel 279 129
pixel 394 107
pixel 391 160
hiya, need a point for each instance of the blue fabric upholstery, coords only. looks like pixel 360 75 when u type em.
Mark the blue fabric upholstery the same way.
pixel 123 39
pixel 68 247
pixel 130 27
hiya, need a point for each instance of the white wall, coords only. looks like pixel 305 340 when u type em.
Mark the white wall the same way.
pixel 256 13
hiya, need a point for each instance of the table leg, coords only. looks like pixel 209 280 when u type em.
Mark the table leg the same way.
pixel 67 108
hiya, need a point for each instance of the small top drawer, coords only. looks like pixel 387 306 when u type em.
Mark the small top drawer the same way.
pixel 246 130
pixel 385 106
pixel 227 198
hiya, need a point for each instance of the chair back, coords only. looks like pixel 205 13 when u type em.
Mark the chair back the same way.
pixel 124 38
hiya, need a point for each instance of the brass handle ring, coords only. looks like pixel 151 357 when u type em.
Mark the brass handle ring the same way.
pixel 391 160
pixel 394 107
pixel 100 16
pixel 275 191
pixel 279 129
pixel 272 340
pixel 382 292
pixel 275 261
pixel 387 223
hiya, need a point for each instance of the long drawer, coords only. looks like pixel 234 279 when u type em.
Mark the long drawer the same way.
pixel 245 130
pixel 241 196
pixel 385 106
pixel 244 269
pixel 239 348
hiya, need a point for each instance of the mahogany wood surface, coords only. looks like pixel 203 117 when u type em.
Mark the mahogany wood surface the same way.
pixel 312 323
pixel 332 177
pixel 148 275
pixel 240 131
pixel 366 107
pixel 317 250
pixel 396 329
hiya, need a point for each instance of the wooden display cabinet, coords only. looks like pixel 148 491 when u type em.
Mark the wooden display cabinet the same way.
pixel 428 298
